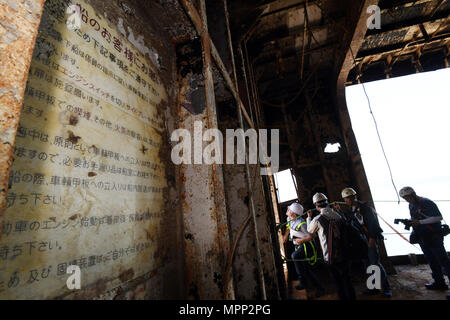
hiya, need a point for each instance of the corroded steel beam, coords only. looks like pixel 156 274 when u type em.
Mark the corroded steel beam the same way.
pixel 348 134
pixel 287 8
pixel 19 23
pixel 207 63
pixel 267 266
pixel 205 218
pixel 218 183
pixel 241 108
pixel 197 21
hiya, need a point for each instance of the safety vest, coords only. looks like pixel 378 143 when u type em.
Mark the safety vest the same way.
pixel 313 259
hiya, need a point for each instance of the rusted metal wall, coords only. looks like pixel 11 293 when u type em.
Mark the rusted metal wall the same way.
pixel 19 22
pixel 242 233
pixel 101 102
pixel 266 227
pixel 91 184
pixel 248 284
pixel 206 240
pixel 245 270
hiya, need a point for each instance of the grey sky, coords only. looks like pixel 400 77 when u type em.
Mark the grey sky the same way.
pixel 413 114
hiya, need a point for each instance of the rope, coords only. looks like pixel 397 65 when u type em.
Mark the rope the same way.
pixel 301 260
pixel 311 260
pixel 405 201
pixel 239 232
pixel 367 96
pixel 376 128
pixel 401 236
pixel 278 226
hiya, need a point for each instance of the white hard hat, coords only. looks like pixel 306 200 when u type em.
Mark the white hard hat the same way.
pixel 297 208
pixel 406 191
pixel 319 197
pixel 348 192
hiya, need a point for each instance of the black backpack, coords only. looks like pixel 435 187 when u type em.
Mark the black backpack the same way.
pixel 336 234
pixel 357 247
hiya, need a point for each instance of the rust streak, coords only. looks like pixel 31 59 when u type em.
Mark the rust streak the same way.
pixel 126 275
pixel 73 138
pixel 14 66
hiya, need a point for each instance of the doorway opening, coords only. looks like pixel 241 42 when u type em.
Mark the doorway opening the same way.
pixel 285 186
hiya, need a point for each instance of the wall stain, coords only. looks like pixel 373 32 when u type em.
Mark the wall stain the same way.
pixel 73 138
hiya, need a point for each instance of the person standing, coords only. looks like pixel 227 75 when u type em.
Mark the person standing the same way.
pixel 326 224
pixel 365 218
pixel 426 222
pixel 305 255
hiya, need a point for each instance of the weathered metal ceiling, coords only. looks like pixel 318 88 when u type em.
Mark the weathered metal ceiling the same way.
pixel 288 38
pixel 414 37
pixel 293 51
pixel 295 48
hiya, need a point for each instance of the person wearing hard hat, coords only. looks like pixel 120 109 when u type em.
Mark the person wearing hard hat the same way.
pixel 321 225
pixel 365 218
pixel 426 222
pixel 305 255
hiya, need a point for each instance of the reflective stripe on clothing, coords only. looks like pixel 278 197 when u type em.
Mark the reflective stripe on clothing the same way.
pixel 315 226
pixel 310 259
pixel 298 229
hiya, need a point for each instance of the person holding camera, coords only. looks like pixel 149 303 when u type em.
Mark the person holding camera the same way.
pixel 426 222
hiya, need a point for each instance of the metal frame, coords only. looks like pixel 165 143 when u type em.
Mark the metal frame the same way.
pixel 209 50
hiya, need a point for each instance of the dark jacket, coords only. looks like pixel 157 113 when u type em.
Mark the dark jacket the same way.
pixel 370 220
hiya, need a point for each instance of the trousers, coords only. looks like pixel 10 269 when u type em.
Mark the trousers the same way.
pixel 341 275
pixel 303 269
pixel 437 258
pixel 374 259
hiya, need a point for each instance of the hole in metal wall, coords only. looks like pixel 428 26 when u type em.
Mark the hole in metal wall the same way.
pixel 285 186
pixel 332 148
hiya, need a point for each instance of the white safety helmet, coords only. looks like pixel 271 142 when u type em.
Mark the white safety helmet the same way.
pixel 318 197
pixel 406 191
pixel 347 192
pixel 297 208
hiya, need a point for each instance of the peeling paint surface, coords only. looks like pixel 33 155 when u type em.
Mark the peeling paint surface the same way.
pixel 87 183
pixel 18 28
pixel 140 45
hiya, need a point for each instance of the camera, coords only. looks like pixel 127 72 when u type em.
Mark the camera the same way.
pixel 445 229
pixel 406 222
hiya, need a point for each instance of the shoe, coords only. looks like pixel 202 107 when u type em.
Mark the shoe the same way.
pixel 436 286
pixel 387 293
pixel 320 292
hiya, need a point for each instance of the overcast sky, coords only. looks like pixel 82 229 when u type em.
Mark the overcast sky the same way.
pixel 413 117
